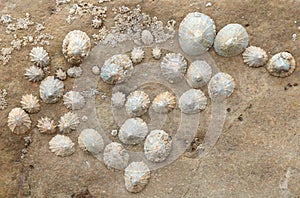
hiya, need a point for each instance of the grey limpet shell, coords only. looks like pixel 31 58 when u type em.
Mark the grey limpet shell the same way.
pixel 231 40
pixel 196 33
pixel 115 156
pixel 221 86
pixel 137 55
pixel 51 89
pixel 46 125
pixel 164 102
pixel 68 122
pixel 137 103
pixel 255 56
pixel 192 101
pixel 198 74
pixel 90 140
pixel 61 145
pixel 30 103
pixel 157 146
pixel 118 99
pixel 18 121
pixel 133 131
pixel 39 56
pixel 34 74
pixel 73 100
pixel 137 176
pixel 281 65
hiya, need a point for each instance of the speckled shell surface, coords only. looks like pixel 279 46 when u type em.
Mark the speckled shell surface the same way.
pixel 136 176
pixel 221 86
pixel 137 55
pixel 46 125
pixel 68 122
pixel 51 89
pixel 164 102
pixel 157 146
pixel 90 140
pixel 116 69
pixel 196 33
pixel 133 131
pixel 73 100
pixel 192 101
pixel 281 64
pixel 231 40
pixel 74 72
pixel 18 121
pixel 39 56
pixel 198 74
pixel 61 145
pixel 34 74
pixel 115 156
pixel 76 46
pixel 30 103
pixel 137 103
pixel 118 99
pixel 255 56
pixel 173 67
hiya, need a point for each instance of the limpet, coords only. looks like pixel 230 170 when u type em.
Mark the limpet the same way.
pixel 137 103
pixel 221 86
pixel 90 140
pixel 34 74
pixel 115 156
pixel 73 100
pixel 30 103
pixel 61 145
pixel 68 122
pixel 198 74
pixel 18 121
pixel 192 101
pixel 281 65
pixel 46 125
pixel 137 55
pixel 255 56
pixel 164 102
pixel 51 89
pixel 118 99
pixel 39 56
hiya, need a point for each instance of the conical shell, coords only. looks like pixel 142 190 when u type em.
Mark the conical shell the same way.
pixel 198 74
pixel 282 65
pixel 73 100
pixel 46 125
pixel 18 121
pixel 30 103
pixel 68 122
pixel 192 101
pixel 39 56
pixel 156 53
pixel 196 33
pixel 164 102
pixel 118 99
pixel 255 56
pixel 137 55
pixel 51 89
pixel 90 140
pixel 221 86
pixel 61 145
pixel 34 74
pixel 137 103
pixel 60 74
pixel 173 67
pixel 231 40
pixel 115 156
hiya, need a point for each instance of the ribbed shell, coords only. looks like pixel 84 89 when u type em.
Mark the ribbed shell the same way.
pixel 61 145
pixel 255 56
pixel 192 101
pixel 137 103
pixel 231 40
pixel 115 156
pixel 34 74
pixel 156 53
pixel 116 69
pixel 68 122
pixel 137 55
pixel 46 125
pixel 173 67
pixel 90 140
pixel 147 37
pixel 221 86
pixel 74 72
pixel 18 121
pixel 60 74
pixel 133 131
pixel 196 33
pixel 76 46
pixel 30 103
pixel 51 89
pixel 158 146
pixel 198 74
pixel 164 102
pixel 73 100
pixel 282 65
pixel 118 99
pixel 39 56
pixel 137 176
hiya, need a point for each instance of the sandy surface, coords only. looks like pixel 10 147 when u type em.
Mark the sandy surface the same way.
pixel 256 155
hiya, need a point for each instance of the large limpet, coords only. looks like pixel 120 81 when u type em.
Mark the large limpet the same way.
pixel 90 140
pixel 61 145
pixel 192 101
pixel 51 89
pixel 68 122
pixel 282 65
pixel 137 103
pixel 164 102
pixel 18 121
pixel 198 74
pixel 115 156
pixel 221 86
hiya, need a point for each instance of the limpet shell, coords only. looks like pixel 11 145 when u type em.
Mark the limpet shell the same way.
pixel 18 121
pixel 118 99
pixel 34 74
pixel 221 86
pixel 68 122
pixel 164 102
pixel 156 53
pixel 39 56
pixel 46 125
pixel 74 72
pixel 198 74
pixel 60 74
pixel 30 103
pixel 90 140
pixel 73 100
pixel 255 56
pixel 137 176
pixel 192 101
pixel 137 103
pixel 196 33
pixel 115 156
pixel 137 55
pixel 231 40
pixel 281 65
pixel 157 146
pixel 133 131
pixel 51 89
pixel 61 145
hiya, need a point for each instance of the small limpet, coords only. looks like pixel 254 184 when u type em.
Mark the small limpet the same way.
pixel 137 103
pixel 46 125
pixel 60 74
pixel 255 56
pixel 156 53
pixel 34 74
pixel 137 55
pixel 115 156
pixel 39 56
pixel 198 74
pixel 74 72
pixel 192 101
pixel 221 86
pixel 61 145
pixel 18 121
pixel 118 99
pixel 51 89
pixel 30 103
pixel 68 122
pixel 164 102
pixel 281 65
pixel 90 140
pixel 73 100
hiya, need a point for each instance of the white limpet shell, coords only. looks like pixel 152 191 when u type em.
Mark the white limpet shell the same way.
pixel 60 74
pixel 173 67
pixel 90 140
pixel 197 32
pixel 118 99
pixel 281 65
pixel 137 103
pixel 116 69
pixel 18 121
pixel 157 146
pixel 231 40
pixel 51 89
pixel 30 103
pixel 68 122
pixel 76 46
pixel 137 55
pixel 74 72
pixel 95 70
pixel 221 86
pixel 61 145
pixel 147 37
pixel 164 102
pixel 34 74
pixel 46 125
pixel 192 101
pixel 156 53
pixel 39 56
pixel 136 176
pixel 198 74
pixel 115 156
pixel 133 131
pixel 73 100
pixel 255 56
